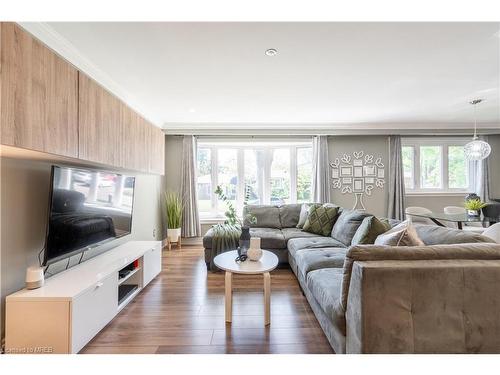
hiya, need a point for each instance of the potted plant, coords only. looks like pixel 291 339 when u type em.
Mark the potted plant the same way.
pixel 173 209
pixel 233 221
pixel 473 207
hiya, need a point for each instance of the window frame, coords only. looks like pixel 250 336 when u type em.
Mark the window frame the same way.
pixel 444 143
pixel 268 147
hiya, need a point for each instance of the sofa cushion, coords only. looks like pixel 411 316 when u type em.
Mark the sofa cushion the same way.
pixel 325 286
pixel 435 235
pixel 321 219
pixel 290 233
pixel 289 215
pixel 296 244
pixel 308 260
pixel 369 230
pixel 270 238
pixel 403 234
pixel 266 216
pixel 347 224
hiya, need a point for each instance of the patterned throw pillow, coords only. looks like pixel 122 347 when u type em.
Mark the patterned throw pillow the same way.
pixel 321 219
pixel 370 228
pixel 403 234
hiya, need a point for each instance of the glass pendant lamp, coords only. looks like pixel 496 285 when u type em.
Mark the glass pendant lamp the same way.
pixel 476 149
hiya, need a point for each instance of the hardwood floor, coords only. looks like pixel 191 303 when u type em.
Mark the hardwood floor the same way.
pixel 182 311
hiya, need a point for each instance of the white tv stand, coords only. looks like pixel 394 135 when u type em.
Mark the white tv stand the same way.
pixel 73 306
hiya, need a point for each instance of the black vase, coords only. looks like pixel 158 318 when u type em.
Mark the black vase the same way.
pixel 244 241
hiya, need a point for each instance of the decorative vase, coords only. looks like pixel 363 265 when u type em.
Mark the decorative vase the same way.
pixel 254 252
pixel 244 242
pixel 474 213
pixel 173 234
pixel 359 202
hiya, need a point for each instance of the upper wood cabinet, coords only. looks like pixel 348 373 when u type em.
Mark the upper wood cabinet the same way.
pixel 48 105
pixel 100 124
pixel 39 95
pixel 157 153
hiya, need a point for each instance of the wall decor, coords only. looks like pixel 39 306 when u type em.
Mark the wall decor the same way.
pixel 358 174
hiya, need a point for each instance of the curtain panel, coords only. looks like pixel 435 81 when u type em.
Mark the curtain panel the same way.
pixel 321 170
pixel 396 191
pixel 190 216
pixel 482 178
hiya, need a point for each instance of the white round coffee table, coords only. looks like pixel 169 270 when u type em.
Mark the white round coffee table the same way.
pixel 226 262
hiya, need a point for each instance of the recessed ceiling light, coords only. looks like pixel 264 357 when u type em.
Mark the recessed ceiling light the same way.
pixel 271 52
pixel 192 110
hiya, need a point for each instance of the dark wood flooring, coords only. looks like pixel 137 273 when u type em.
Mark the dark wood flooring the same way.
pixel 182 311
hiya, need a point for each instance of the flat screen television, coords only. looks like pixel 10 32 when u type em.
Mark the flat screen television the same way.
pixel 86 208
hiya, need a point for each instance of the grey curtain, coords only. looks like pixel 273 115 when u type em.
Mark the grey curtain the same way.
pixel 321 170
pixel 396 206
pixel 190 215
pixel 482 180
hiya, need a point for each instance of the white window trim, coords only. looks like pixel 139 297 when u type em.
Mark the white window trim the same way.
pixel 214 145
pixel 444 142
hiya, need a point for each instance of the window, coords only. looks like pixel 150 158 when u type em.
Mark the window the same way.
pixel 252 172
pixel 436 165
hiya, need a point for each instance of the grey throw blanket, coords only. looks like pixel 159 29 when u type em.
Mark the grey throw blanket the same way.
pixel 225 238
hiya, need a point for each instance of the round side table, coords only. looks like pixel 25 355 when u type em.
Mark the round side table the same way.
pixel 226 262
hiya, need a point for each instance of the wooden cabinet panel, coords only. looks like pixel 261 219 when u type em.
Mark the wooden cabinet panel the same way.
pixel 130 138
pixel 38 95
pixel 100 126
pixel 157 150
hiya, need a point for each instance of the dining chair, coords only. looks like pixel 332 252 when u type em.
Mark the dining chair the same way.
pixel 492 210
pixel 456 210
pixel 418 219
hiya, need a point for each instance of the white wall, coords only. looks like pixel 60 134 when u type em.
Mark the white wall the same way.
pixel 24 202
pixel 173 162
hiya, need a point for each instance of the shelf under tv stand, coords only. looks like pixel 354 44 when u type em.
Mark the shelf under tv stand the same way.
pixel 74 305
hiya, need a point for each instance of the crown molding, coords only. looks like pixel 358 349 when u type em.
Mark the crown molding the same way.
pixel 47 35
pixel 329 128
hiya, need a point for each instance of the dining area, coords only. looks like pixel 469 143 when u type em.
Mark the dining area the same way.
pixel 485 220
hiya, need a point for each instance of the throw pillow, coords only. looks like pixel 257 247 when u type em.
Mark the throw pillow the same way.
pixel 304 212
pixel 321 219
pixel 403 234
pixel 370 228
pixel 347 225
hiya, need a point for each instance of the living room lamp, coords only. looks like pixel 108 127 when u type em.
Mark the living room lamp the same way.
pixel 476 149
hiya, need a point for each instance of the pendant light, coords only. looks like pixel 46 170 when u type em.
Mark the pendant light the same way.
pixel 476 149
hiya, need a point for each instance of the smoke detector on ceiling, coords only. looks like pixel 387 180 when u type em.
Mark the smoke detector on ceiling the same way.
pixel 271 52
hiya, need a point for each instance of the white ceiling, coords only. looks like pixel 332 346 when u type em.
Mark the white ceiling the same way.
pixel 199 74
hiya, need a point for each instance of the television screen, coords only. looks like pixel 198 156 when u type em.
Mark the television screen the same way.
pixel 87 207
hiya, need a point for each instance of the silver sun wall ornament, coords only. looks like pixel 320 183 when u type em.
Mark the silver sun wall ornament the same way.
pixel 358 174
pixel 476 149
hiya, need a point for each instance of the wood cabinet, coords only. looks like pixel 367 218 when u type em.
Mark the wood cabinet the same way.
pixel 112 133
pixel 99 124
pixel 38 95
pixel 48 105
pixel 73 306
pixel 157 153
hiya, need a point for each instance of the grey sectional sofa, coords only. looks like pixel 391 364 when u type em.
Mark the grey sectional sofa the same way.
pixel 438 298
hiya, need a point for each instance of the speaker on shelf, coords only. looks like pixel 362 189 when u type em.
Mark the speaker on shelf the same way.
pixel 34 277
